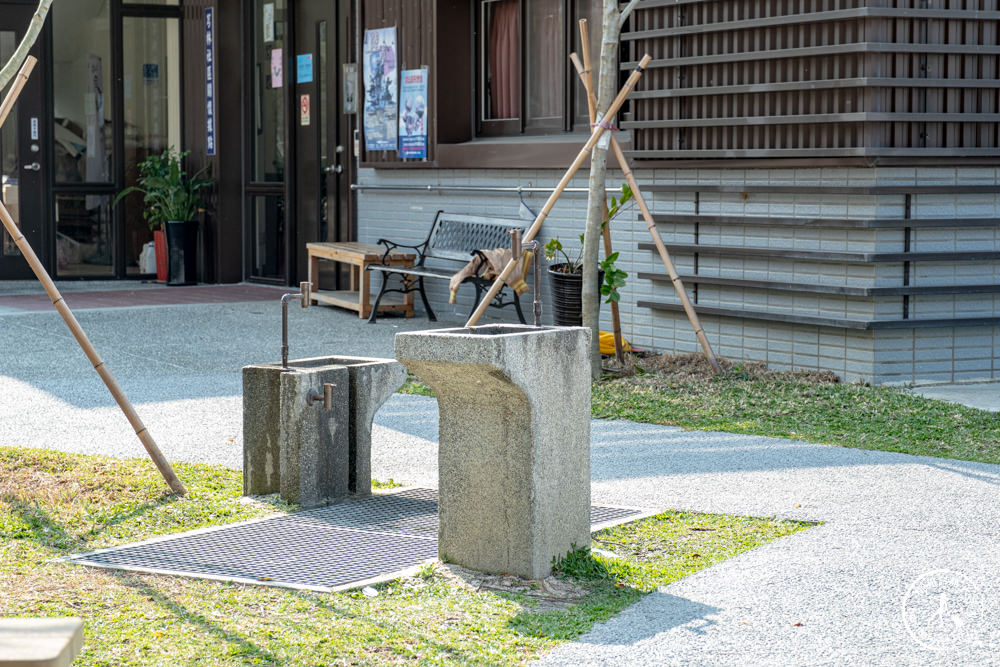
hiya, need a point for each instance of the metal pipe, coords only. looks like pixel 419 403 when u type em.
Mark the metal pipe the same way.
pixel 305 296
pixel 465 188
pixel 535 246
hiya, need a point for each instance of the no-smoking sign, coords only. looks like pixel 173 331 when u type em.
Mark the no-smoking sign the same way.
pixel 304 110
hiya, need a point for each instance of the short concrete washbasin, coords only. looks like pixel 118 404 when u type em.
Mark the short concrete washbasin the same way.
pixel 309 443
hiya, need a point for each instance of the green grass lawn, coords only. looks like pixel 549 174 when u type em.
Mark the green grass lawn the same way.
pixel 813 406
pixel 54 504
pixel 682 391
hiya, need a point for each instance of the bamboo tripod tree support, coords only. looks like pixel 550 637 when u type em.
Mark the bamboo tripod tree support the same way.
pixel 616 322
pixel 585 76
pixel 60 304
pixel 595 136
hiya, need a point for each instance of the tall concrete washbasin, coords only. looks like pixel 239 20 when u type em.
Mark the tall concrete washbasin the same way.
pixel 294 445
pixel 514 434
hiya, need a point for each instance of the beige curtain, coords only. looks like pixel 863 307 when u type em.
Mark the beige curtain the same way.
pixel 504 59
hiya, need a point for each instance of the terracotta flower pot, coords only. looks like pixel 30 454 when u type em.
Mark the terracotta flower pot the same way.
pixel 160 247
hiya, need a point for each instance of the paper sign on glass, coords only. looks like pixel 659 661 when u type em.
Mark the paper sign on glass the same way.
pixel 268 22
pixel 276 70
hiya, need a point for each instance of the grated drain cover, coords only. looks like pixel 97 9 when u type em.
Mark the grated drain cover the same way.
pixel 319 549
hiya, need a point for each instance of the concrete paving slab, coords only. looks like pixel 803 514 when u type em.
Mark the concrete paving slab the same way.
pixel 982 395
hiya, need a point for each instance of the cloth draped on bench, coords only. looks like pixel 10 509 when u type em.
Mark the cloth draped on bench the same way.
pixel 488 264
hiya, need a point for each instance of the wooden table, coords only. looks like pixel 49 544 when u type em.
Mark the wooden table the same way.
pixel 358 297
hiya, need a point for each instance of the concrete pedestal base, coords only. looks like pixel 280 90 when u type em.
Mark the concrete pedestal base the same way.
pixel 514 434
pixel 310 455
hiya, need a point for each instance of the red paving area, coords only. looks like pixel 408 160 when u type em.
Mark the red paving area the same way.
pixel 147 296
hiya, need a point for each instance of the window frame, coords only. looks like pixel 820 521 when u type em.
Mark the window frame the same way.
pixel 484 127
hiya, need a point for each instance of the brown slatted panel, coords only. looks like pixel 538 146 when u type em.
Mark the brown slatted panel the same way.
pixel 821 59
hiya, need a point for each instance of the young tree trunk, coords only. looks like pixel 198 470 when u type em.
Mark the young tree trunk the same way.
pixel 606 83
pixel 16 60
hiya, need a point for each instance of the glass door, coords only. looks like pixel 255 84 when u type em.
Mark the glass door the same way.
pixel 322 162
pixel 269 151
pixel 22 165
pixel 299 168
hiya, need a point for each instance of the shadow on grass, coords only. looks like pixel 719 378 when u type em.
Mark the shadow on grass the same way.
pixel 113 519
pixel 240 645
pixel 608 595
pixel 41 528
pixel 389 630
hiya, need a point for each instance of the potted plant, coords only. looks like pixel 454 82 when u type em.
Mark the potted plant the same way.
pixel 172 200
pixel 566 277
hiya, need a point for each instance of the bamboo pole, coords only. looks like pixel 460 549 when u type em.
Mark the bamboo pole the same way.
pixel 616 322
pixel 60 304
pixel 689 310
pixel 20 79
pixel 537 224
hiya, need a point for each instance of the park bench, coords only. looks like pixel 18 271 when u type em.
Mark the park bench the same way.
pixel 453 239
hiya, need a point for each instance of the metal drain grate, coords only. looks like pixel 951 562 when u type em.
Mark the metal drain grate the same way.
pixel 601 516
pixel 320 549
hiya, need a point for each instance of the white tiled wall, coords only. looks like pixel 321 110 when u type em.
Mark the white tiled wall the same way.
pixel 894 355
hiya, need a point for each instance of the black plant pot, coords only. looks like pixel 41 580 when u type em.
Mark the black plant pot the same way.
pixel 182 252
pixel 567 297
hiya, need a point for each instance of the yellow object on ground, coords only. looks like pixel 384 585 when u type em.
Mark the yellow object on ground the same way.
pixel 608 343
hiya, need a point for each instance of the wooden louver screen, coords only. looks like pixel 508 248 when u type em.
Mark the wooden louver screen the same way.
pixel 812 78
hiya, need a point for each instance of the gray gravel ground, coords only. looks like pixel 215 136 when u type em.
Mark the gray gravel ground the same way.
pixel 904 569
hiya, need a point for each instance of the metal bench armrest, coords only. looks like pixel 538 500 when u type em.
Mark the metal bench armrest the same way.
pixel 392 245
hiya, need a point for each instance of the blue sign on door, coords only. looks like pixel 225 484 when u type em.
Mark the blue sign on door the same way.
pixel 304 72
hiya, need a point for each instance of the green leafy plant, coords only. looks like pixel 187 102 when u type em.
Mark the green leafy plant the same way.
pixel 168 192
pixel 614 278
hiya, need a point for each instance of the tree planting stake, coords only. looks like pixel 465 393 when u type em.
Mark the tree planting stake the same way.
pixel 43 277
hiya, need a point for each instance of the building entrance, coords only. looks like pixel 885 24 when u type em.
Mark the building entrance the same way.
pixel 22 165
pixel 298 183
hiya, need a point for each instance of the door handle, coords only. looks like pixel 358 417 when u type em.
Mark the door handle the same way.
pixel 334 169
pixel 34 166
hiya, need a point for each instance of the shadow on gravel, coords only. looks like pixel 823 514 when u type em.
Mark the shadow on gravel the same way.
pixel 656 451
pixel 660 612
pixel 971 470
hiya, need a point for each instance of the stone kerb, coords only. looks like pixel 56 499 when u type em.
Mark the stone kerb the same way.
pixel 40 642
pixel 514 442
pixel 308 454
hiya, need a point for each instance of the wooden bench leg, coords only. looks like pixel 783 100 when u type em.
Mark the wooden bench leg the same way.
pixel 313 276
pixel 364 290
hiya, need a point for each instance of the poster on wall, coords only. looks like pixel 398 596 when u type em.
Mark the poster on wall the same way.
pixel 381 107
pixel 413 114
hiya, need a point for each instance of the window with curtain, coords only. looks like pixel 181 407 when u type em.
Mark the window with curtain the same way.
pixel 525 83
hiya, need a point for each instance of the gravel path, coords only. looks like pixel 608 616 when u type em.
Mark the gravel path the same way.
pixel 902 571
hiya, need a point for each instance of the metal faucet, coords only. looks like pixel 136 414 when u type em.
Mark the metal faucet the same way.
pixel 305 296
pixel 535 247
